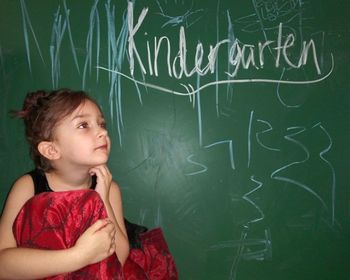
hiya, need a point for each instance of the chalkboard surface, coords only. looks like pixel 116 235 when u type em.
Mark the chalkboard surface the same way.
pixel 229 121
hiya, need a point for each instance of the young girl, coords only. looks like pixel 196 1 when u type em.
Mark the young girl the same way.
pixel 64 220
pixel 69 145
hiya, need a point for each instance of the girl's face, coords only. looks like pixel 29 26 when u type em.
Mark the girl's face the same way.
pixel 81 138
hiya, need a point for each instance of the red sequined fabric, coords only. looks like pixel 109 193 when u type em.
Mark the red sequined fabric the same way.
pixel 153 261
pixel 55 220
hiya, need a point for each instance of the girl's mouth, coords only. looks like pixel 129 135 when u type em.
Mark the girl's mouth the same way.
pixel 102 147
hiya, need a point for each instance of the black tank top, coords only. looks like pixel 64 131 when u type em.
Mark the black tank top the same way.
pixel 41 184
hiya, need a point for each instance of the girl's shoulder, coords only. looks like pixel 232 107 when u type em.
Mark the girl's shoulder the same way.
pixel 22 189
pixel 24 182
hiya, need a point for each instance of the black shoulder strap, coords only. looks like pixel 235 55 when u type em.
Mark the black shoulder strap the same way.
pixel 41 184
pixel 40 181
pixel 93 182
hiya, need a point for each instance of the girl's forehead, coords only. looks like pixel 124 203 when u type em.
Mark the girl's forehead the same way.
pixel 86 108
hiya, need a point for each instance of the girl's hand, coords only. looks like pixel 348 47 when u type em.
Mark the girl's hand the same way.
pixel 96 243
pixel 104 180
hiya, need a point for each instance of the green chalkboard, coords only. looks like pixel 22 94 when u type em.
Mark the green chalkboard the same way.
pixel 229 121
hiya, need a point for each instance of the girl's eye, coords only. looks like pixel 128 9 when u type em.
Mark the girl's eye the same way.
pixel 83 125
pixel 103 124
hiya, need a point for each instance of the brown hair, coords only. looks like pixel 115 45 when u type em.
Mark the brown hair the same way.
pixel 41 112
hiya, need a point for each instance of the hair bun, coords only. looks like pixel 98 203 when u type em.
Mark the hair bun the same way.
pixel 32 101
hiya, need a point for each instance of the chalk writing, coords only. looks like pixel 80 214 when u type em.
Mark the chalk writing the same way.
pixel 240 56
pixel 94 24
pixel 250 248
pixel 27 24
pixel 116 48
pixel 58 31
pixel 244 55
pixel 187 19
pixel 291 137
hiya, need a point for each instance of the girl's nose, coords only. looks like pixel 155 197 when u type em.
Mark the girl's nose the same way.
pixel 102 132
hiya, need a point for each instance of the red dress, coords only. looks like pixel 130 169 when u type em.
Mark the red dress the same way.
pixel 55 220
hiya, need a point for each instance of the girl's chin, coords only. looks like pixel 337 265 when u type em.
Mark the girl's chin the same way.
pixel 98 162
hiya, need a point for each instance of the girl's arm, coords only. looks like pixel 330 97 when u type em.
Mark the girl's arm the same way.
pixel 111 196
pixel 24 263
pixel 115 207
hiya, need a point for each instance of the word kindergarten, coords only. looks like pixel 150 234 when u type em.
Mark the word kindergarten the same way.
pixel 284 53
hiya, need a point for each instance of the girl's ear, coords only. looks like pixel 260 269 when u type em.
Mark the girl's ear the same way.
pixel 48 150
